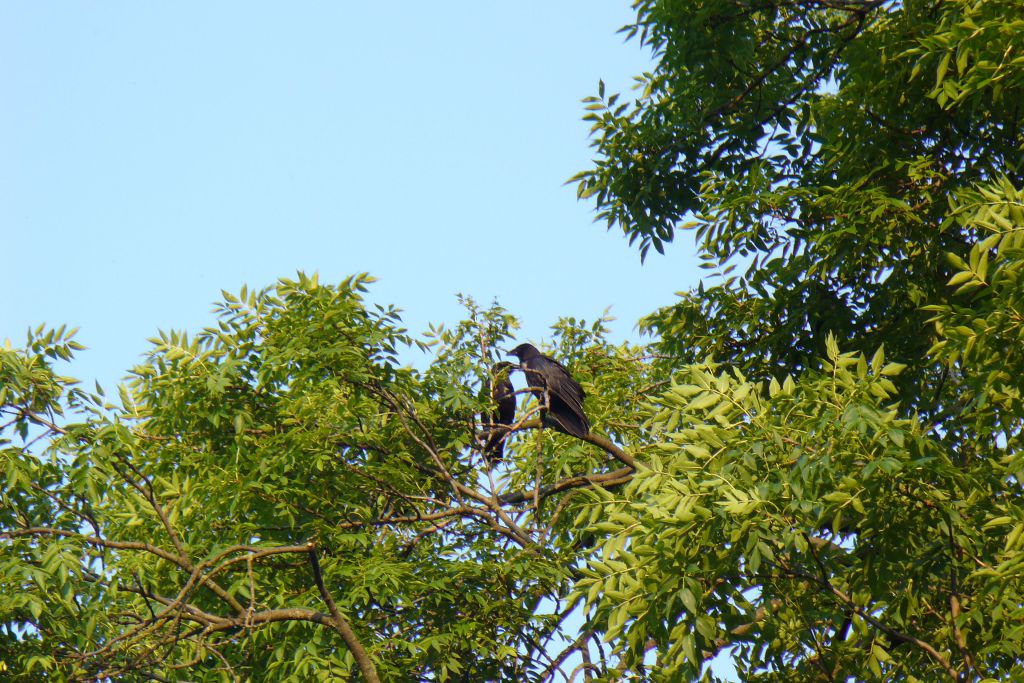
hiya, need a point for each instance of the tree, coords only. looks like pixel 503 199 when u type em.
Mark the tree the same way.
pixel 836 493
pixel 281 497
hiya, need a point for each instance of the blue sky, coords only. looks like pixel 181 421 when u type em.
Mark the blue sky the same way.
pixel 152 154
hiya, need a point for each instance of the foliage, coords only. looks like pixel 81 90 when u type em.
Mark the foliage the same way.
pixel 814 468
pixel 837 488
pixel 191 526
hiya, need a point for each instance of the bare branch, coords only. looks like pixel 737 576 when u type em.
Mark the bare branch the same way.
pixel 597 440
pixel 93 540
pixel 604 479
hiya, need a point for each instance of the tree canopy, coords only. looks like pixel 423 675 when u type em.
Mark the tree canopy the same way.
pixel 812 466
pixel 837 492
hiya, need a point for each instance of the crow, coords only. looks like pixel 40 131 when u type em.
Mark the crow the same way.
pixel 503 396
pixel 560 396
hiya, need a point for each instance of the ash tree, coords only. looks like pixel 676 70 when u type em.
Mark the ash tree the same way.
pixel 283 497
pixel 812 467
pixel 833 481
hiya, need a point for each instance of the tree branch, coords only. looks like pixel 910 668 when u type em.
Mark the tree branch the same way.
pixel 341 624
pixel 597 440
pixel 865 614
pixel 605 479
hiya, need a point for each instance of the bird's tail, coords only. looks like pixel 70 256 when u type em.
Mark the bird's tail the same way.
pixel 569 422
pixel 494 450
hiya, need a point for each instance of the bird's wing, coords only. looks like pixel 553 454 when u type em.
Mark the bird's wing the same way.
pixel 560 382
pixel 505 397
pixel 565 396
pixel 536 378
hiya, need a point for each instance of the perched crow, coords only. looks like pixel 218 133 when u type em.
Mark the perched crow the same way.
pixel 561 397
pixel 504 398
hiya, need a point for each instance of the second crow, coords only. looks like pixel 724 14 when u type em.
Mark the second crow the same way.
pixel 503 397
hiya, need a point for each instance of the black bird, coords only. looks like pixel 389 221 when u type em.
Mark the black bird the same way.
pixel 503 396
pixel 560 396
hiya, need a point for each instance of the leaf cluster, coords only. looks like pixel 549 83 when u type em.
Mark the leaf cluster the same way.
pixel 852 174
